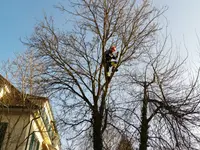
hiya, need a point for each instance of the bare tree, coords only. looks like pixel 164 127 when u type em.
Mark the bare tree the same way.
pixel 21 71
pixel 165 102
pixel 74 61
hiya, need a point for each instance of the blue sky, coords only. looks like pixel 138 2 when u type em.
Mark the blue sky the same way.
pixel 18 18
pixel 183 25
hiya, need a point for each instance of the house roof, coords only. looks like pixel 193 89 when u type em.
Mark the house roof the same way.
pixel 10 96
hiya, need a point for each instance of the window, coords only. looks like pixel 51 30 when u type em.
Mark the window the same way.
pixel 50 132
pixel 44 117
pixel 3 127
pixel 34 143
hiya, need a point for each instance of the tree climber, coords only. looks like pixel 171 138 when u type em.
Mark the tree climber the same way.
pixel 110 57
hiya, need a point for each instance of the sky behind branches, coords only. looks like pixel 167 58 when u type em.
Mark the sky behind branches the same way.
pixel 18 18
pixel 184 26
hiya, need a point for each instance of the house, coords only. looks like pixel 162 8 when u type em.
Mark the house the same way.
pixel 26 121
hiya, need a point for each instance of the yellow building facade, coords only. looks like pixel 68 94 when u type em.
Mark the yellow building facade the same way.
pixel 26 121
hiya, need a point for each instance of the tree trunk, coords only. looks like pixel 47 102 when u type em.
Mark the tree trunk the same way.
pixel 144 123
pixel 97 134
